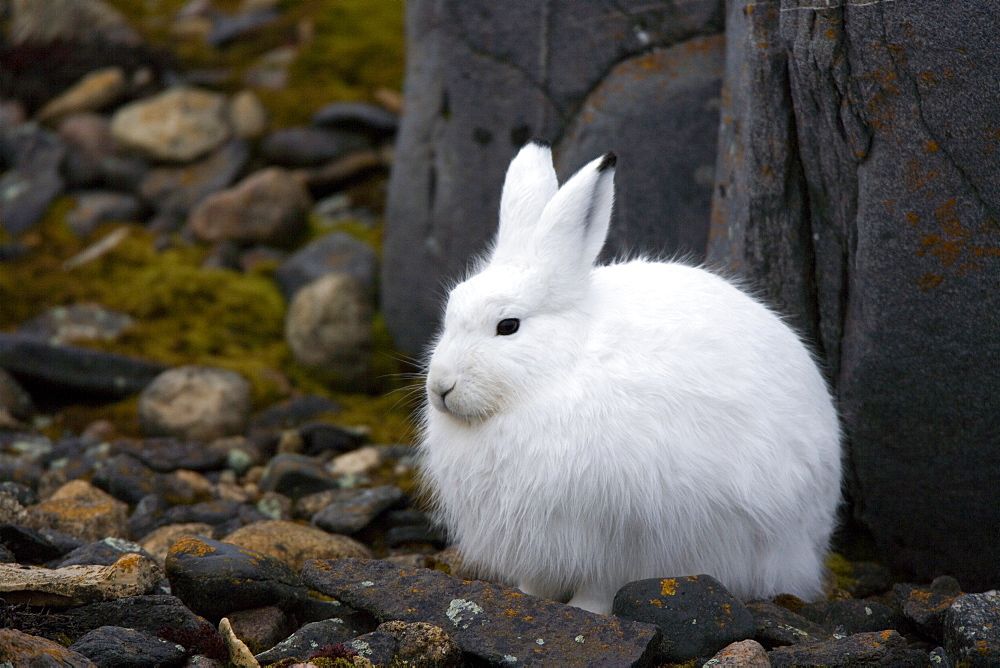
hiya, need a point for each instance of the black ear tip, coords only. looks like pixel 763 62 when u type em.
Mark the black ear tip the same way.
pixel 608 162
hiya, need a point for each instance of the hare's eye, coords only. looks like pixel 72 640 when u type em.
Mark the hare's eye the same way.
pixel 508 326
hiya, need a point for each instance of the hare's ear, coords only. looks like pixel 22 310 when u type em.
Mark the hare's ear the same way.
pixel 572 229
pixel 529 185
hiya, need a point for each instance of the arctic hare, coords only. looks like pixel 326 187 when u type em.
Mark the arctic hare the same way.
pixel 587 426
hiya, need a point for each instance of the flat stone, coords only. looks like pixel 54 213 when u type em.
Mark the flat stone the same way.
pixel 853 616
pixel 370 119
pixel 883 648
pixel 156 614
pixel 356 462
pixel 101 553
pixel 93 92
pixel 130 575
pixel 118 646
pixel 972 629
pixel 351 510
pixel 295 476
pixel 777 626
pixel 22 649
pixel 323 437
pixel 308 147
pixel 495 623
pixel 294 544
pixel 177 125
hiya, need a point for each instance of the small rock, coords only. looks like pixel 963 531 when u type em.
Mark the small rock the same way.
pixel 777 626
pixel 156 614
pixel 101 553
pixel 157 543
pixel 126 478
pixel 88 141
pixel 311 637
pixel 96 207
pixel 375 121
pixel 495 623
pixel 870 578
pixel 275 506
pixel 356 462
pixel 27 546
pixel 926 606
pixel 883 648
pixel 25 197
pixel 308 147
pixel 852 616
pixel 21 649
pixel 70 21
pixel 169 454
pixel 260 628
pixel 696 615
pixel 114 647
pixel 423 645
pixel 341 172
pixel 972 629
pixel 269 206
pixel 80 509
pixel 174 191
pixel 239 654
pixel 294 544
pixel 13 399
pixel 322 437
pixel 295 476
pixel 22 494
pixel 93 92
pixel 224 516
pixel 294 412
pixel 329 327
pixel 77 323
pixel 378 647
pixel 178 125
pixel 195 403
pixel 336 252
pixel 270 71
pixel 354 509
pixel 130 575
pixel 215 578
pixel 743 654
pixel 247 115
pixel 227 29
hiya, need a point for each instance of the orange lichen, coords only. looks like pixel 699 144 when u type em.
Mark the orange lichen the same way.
pixel 668 587
pixel 929 281
pixel 192 545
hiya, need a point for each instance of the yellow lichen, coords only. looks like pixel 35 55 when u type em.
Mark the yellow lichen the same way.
pixel 668 587
pixel 191 545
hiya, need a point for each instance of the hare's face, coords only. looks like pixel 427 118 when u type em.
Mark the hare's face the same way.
pixel 499 338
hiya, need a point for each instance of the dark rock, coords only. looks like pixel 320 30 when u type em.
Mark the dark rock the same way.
pixel 293 412
pixel 376 122
pixel 223 516
pixel 972 629
pixel 22 649
pixel 697 615
pixel 494 623
pixel 777 626
pixel 149 614
pixel 312 609
pixel 378 647
pixel 304 642
pixel 28 545
pixel 885 648
pixel 342 172
pixel 125 477
pixel 76 323
pixel 215 578
pixel 334 252
pixel 261 628
pixel 422 644
pixel 169 454
pixel 25 197
pixel 227 29
pixel 354 509
pixel 32 149
pixel 88 141
pixel 926 606
pixel 411 525
pixel 24 494
pixel 295 476
pixel 103 552
pixel 870 578
pixel 854 616
pixel 321 437
pixel 940 659
pixel 174 191
pixel 124 172
pixel 114 647
pixel 96 207
pixel 308 147
pixel 13 399
pixel 74 370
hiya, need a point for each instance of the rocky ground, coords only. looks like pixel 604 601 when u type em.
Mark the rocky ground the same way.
pixel 205 458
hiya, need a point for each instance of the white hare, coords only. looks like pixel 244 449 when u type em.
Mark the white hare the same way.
pixel 592 425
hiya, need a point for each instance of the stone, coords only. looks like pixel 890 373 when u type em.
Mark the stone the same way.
pixel 323 437
pixel 260 629
pixel 130 575
pixel 308 639
pixel 224 516
pixel 103 552
pixel 353 509
pixel 126 478
pixel 228 29
pixel 114 646
pixel 423 645
pixel 927 606
pixel 358 461
pixel 743 654
pixel 372 120
pixel 378 647
pixel 34 156
pixel 158 541
pixel 852 616
pixel 82 510
pixel 195 403
pixel 328 326
pixel 972 629
pixel 96 207
pixel 776 626
pixel 340 173
pixel 294 544
pixel 269 206
pixel 247 115
pixel 13 399
pixel 77 323
pixel 295 476
pixel 492 622
pixel 869 579
pixel 155 614
pixel 178 125
pixel 87 137
pixel 336 252
pixel 22 494
pixel 308 146
pixel 22 649
pixel 215 578
pixel 46 21
pixel 884 648
pixel 73 369
pixel 27 546
pixel 847 191
pixel 697 615
pixel 295 411
pixel 93 92
pixel 239 654
pixel 169 454
pixel 175 190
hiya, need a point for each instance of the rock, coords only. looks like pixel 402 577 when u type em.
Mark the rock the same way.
pixel 481 82
pixel 74 370
pixel 195 403
pixel 308 147
pixel 87 137
pixel 33 182
pixel 848 191
pixel 295 476
pixel 372 120
pixel 743 654
pixel 270 71
pixel 378 647
pixel 308 639
pixel 328 326
pixel 158 614
pixel 46 21
pixel 423 645
pixel 27 546
pixel 80 509
pixel 93 92
pixel 239 654
pixel 114 646
pixel 32 149
pixel 927 606
pixel 342 172
pixel 336 252
pixel 777 626
pixel 13 399
pixel 21 493
pixel 21 649
pixel 269 206
pixel 411 526
pixel 852 616
pixel 174 191
pixel 885 648
pixel 215 578
pixel 294 544
pixel 870 578
pixel 96 207
pixel 353 509
pixel 227 29
pixel 101 553
pixel 696 615
pixel 293 412
pixel 260 628
pixel 247 115
pixel 275 506
pixel 76 323
pixel 126 478
pixel 157 542
pixel 130 575
pixel 224 516
pixel 323 437
pixel 972 629
pixel 169 454
pixel 489 621
pixel 177 125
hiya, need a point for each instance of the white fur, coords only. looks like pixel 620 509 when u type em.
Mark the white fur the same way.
pixel 648 419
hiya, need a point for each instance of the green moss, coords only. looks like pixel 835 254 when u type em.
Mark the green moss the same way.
pixel 841 569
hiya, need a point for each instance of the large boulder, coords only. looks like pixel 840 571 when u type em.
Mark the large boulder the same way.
pixel 856 186
pixel 485 77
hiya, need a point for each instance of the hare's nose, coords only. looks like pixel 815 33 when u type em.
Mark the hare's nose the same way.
pixel 442 387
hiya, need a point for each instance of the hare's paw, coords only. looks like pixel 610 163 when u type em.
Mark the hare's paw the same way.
pixel 530 588
pixel 593 599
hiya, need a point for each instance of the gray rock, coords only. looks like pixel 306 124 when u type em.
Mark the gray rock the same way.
pixel 177 125
pixel 76 323
pixel 149 614
pixel 483 78
pixel 175 190
pixel 260 629
pixel 130 575
pixel 195 403
pixel 372 120
pixel 88 141
pixel 13 399
pixel 117 647
pixel 885 648
pixel 743 654
pixel 856 187
pixel 852 616
pixel 301 644
pixel 972 629
pixel 295 476
pixel 697 615
pixel 45 21
pixel 334 252
pixel 22 649
pixel 96 207
pixel 926 606
pixel 777 626
pixel 492 622
pixel 353 509
pixel 308 147
pixel 33 182
pixel 101 553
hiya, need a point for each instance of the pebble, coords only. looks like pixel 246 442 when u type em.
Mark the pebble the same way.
pixel 22 649
pixel 93 92
pixel 882 648
pixel 82 510
pixel 77 323
pixel 351 510
pixel 336 252
pixel 195 403
pixel 174 190
pixel 247 116
pixel 308 639
pixel 743 654
pixel 776 626
pixel 177 125
pixel 115 646
pixel 296 476
pixel 358 461
pixel 373 120
pixel 96 207
pixel 103 552
pixel 309 146
pixel 88 139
